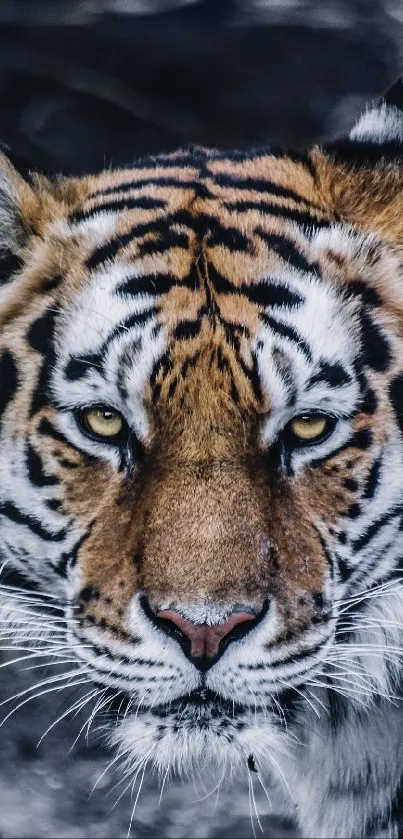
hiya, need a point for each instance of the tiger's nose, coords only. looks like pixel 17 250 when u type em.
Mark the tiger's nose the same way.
pixel 201 642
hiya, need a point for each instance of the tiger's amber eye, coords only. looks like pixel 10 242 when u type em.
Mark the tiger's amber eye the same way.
pixel 103 422
pixel 310 427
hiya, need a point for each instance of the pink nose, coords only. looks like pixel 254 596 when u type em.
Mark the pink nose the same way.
pixel 204 640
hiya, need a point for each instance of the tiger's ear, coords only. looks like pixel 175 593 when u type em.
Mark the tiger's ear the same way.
pixel 363 173
pixel 382 125
pixel 377 134
pixel 19 206
pixel 26 203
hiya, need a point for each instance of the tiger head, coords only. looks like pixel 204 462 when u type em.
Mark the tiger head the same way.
pixel 201 407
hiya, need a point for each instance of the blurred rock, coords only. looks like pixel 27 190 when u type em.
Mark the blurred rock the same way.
pixel 98 82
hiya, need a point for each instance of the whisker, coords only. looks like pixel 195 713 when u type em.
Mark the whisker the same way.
pixel 55 688
pixel 166 774
pixel 254 800
pixel 303 696
pixel 19 589
pixel 76 706
pixel 250 806
pixel 50 680
pixel 264 788
pixel 137 798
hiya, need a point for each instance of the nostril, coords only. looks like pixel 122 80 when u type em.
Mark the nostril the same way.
pixel 201 642
pixel 204 640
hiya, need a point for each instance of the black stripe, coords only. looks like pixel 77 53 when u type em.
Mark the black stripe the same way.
pixel 230 238
pixel 369 401
pixel 284 369
pixel 288 251
pixel 396 398
pixel 54 504
pixel 238 155
pixel 69 559
pixel 252 374
pixel 261 185
pixel 77 368
pixel 301 217
pixel 14 514
pixel 9 265
pixel 41 331
pixel 170 239
pixel 327 553
pixel 334 375
pixel 375 347
pixel 111 248
pixel 288 332
pixel 41 395
pixel 372 481
pixel 155 284
pixel 36 472
pixel 344 569
pixel 360 440
pixel 107 251
pixel 51 283
pixel 189 363
pixel 48 430
pixel 40 336
pixel 142 202
pixel 163 366
pixel 187 329
pixel 375 527
pixel 369 296
pixel 9 380
pixel 137 319
pixel 264 293
pixel 127 186
pixel 312 651
pixel 201 224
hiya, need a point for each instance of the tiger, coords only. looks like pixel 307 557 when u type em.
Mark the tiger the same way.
pixel 201 459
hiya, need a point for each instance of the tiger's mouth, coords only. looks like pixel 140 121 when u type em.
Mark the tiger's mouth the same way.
pixel 203 703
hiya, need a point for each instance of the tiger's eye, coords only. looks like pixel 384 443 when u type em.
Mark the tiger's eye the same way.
pixel 310 427
pixel 103 422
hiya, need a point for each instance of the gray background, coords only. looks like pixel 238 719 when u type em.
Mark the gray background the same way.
pixel 89 83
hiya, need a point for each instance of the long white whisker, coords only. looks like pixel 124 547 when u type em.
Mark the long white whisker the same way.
pixel 19 589
pixel 136 799
pixel 50 680
pixel 76 706
pixel 55 688
pixel 254 801
pixel 250 806
pixel 166 773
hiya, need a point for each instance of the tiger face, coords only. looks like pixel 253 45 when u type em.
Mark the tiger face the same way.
pixel 201 378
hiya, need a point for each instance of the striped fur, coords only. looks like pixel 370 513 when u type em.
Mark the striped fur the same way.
pixel 210 298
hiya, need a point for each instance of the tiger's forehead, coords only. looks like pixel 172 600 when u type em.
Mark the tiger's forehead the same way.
pixel 202 284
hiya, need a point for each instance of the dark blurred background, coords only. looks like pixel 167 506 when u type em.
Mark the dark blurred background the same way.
pixel 91 83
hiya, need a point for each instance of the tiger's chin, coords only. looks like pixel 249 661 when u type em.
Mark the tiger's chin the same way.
pixel 198 733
